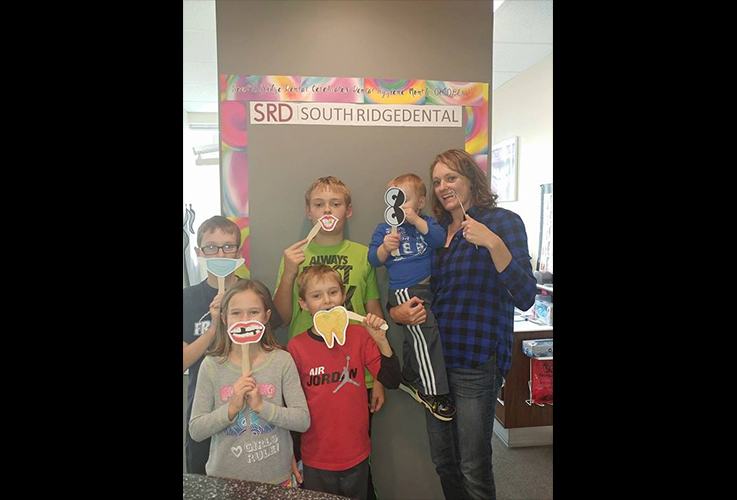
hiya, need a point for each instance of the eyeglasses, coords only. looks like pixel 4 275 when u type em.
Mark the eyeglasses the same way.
pixel 213 249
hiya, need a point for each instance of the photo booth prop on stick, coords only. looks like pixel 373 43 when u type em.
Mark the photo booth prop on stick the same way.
pixel 326 222
pixel 332 324
pixel 394 214
pixel 245 333
pixel 221 267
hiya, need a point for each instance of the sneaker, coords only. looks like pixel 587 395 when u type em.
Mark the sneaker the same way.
pixel 440 406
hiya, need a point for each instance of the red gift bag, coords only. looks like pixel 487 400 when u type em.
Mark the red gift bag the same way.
pixel 541 381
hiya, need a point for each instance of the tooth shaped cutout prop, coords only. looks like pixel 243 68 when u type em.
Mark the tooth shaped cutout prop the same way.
pixel 331 325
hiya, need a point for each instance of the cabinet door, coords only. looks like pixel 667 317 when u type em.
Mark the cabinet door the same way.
pixel 513 411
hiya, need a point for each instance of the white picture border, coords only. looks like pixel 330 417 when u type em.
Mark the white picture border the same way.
pixel 503 176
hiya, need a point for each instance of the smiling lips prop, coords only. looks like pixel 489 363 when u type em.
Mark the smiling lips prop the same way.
pixel 246 332
pixel 328 222
pixel 331 325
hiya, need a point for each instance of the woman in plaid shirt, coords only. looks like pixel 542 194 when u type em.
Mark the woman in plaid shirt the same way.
pixel 478 278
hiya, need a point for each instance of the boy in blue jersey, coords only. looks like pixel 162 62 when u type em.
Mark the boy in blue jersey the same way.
pixel 423 368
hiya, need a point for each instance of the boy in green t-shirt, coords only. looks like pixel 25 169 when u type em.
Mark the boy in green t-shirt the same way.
pixel 329 196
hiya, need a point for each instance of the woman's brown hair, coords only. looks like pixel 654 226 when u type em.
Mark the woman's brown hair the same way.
pixel 463 163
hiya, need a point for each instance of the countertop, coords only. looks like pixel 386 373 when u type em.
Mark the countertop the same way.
pixel 529 326
pixel 199 487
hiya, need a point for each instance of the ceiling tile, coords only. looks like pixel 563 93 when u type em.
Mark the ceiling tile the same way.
pixel 199 46
pixel 199 15
pixel 200 107
pixel 529 21
pixel 201 92
pixel 499 78
pixel 204 72
pixel 517 56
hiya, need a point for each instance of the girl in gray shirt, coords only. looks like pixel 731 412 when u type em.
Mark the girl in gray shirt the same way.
pixel 248 416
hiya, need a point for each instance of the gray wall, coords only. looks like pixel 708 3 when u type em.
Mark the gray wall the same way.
pixel 184 419
pixel 383 39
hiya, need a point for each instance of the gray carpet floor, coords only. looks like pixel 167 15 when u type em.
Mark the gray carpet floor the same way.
pixel 522 473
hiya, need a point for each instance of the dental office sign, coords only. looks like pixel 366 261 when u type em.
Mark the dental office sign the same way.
pixel 360 115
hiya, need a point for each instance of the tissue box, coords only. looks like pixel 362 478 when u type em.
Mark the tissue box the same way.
pixel 543 309
pixel 540 348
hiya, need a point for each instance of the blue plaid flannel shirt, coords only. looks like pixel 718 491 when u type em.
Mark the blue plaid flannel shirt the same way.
pixel 472 302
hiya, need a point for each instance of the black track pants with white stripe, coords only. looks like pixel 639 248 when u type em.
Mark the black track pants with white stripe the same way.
pixel 422 352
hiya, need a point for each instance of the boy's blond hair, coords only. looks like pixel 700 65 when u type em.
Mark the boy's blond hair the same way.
pixel 412 179
pixel 331 183
pixel 317 272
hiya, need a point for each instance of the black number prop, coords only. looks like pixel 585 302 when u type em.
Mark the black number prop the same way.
pixel 394 198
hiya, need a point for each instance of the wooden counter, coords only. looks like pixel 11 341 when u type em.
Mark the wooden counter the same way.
pixel 517 423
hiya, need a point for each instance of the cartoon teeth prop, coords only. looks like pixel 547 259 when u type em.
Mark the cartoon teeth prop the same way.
pixel 328 222
pixel 246 332
pixel 331 325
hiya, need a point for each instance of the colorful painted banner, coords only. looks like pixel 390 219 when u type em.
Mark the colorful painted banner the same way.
pixel 290 88
pixel 245 270
pixel 457 93
pixel 399 102
pixel 394 91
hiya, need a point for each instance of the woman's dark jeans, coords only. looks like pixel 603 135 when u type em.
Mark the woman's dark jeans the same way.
pixel 461 448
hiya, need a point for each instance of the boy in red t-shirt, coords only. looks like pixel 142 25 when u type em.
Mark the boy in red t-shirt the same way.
pixel 336 447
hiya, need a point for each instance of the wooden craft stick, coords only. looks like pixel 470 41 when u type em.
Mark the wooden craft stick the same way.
pixel 313 232
pixel 395 252
pixel 245 358
pixel 464 212
pixel 358 317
